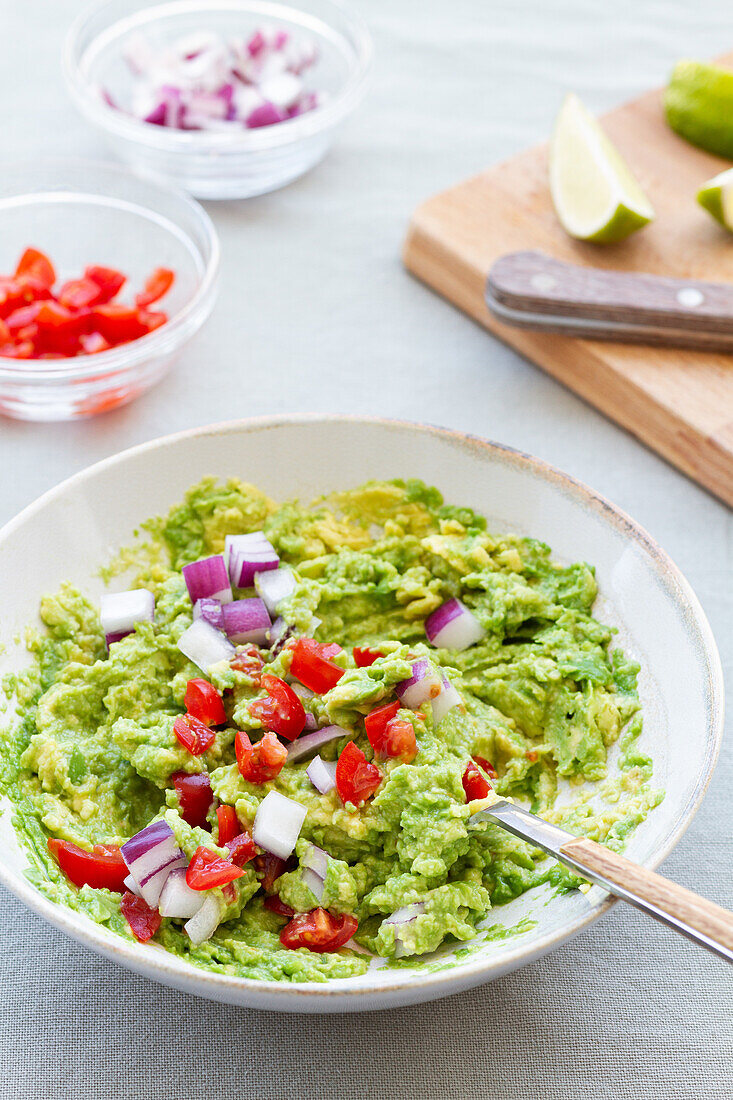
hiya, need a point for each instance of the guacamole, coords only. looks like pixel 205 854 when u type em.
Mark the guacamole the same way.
pixel 384 863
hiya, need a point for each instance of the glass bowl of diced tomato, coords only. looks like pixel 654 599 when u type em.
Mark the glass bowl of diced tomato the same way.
pixel 104 277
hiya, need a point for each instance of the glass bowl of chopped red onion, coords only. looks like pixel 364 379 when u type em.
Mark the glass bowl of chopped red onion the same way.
pixel 227 99
pixel 104 277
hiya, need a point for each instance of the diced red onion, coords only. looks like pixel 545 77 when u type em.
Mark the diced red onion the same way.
pixel 302 691
pixel 208 580
pixel 210 611
pixel 322 774
pixel 314 884
pixel 424 684
pixel 177 899
pixel 406 915
pixel 448 698
pixel 119 612
pixel 308 742
pixel 277 824
pixel 246 621
pixel 311 722
pixel 247 555
pixel 110 639
pixel 274 586
pixel 278 635
pixel 453 626
pixel 202 926
pixel 150 856
pixel 204 645
pixel 266 115
pixel 316 860
pixel 131 885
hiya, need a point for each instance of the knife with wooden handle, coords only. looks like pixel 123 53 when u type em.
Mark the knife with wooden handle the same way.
pixel 532 290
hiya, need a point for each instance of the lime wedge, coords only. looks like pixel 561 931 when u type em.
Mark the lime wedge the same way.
pixel 698 103
pixel 717 197
pixel 595 195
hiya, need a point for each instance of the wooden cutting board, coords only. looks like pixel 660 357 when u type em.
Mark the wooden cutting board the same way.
pixel 678 402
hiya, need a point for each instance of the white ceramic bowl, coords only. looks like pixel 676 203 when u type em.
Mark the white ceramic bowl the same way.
pixel 73 529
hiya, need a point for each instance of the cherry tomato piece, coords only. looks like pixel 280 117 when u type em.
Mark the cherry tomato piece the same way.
pixel 312 666
pixel 274 904
pixel 118 323
pixel 241 849
pixel 193 734
pixel 109 281
pixel 269 868
pixel 207 870
pixel 487 767
pixel 229 826
pixel 203 701
pixel 474 784
pixel 356 778
pixel 35 263
pixel 364 657
pixel 319 931
pixel 103 868
pixel 144 922
pixel 158 284
pixel 376 722
pixel 399 740
pixel 79 294
pixel 194 797
pixel 261 762
pixel 281 711
pixel 249 661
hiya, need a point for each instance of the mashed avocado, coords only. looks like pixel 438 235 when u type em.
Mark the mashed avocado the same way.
pixel 91 755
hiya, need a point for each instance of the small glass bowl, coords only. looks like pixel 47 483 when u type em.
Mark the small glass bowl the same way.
pixel 84 213
pixel 217 165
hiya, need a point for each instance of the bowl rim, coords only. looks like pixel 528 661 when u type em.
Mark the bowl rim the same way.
pixel 192 142
pixel 297 996
pixel 164 339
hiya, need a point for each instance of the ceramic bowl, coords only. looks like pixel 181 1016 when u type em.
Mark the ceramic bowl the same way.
pixel 643 594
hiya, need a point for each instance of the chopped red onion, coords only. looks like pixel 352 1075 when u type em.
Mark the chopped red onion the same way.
pixel 278 635
pixel 132 886
pixel 247 555
pixel 424 684
pixel 314 884
pixel 453 626
pixel 204 645
pixel 274 586
pixel 308 742
pixel 246 621
pixel 444 702
pixel 110 639
pixel 202 926
pixel 303 693
pixel 316 859
pixel 265 115
pixel 119 612
pixel 208 579
pixel 277 824
pixel 177 899
pixel 311 722
pixel 210 611
pixel 150 856
pixel 322 774
pixel 406 915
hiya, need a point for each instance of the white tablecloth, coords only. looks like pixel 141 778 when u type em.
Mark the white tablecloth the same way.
pixel 315 313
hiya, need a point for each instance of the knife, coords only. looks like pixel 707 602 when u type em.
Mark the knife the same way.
pixel 695 917
pixel 535 291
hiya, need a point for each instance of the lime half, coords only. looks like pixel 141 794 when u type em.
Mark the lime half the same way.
pixel 595 195
pixel 698 103
pixel 717 197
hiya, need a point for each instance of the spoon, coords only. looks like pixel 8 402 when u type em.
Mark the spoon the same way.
pixel 695 917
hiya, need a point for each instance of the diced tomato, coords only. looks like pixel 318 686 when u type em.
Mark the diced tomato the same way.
pixel 249 661
pixel 356 778
pixel 118 323
pixel 79 294
pixel 474 783
pixel 35 263
pixel 229 826
pixel 274 904
pixel 241 849
pixel 399 740
pixel 269 868
pixel 23 350
pixel 193 734
pixel 33 289
pixel 364 657
pixel 261 762
pixel 281 711
pixel 488 767
pixel 311 665
pixel 144 922
pixel 156 286
pixel 103 868
pixel 93 342
pixel 207 870
pixel 22 317
pixel 5 333
pixel 194 797
pixel 152 319
pixel 376 721
pixel 319 931
pixel 109 281
pixel 203 701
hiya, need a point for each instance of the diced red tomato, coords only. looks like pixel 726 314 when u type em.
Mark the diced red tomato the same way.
pixel 356 778
pixel 203 701
pixel 312 666
pixel 109 281
pixel 103 868
pixel 269 868
pixel 488 767
pixel 117 323
pixel 241 849
pixel 261 762
pixel 474 783
pixel 229 826
pixel 319 931
pixel 376 721
pixel 364 657
pixel 158 284
pixel 193 734
pixel 194 797
pixel 281 711
pixel 249 661
pixel 144 922
pixel 23 350
pixel 20 318
pixel 399 740
pixel 93 342
pixel 79 294
pixel 274 904
pixel 207 870
pixel 152 319
pixel 35 263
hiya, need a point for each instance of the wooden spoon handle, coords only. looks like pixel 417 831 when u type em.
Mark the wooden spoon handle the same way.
pixel 692 915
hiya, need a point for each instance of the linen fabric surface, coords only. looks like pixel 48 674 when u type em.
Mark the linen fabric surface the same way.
pixel 315 313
